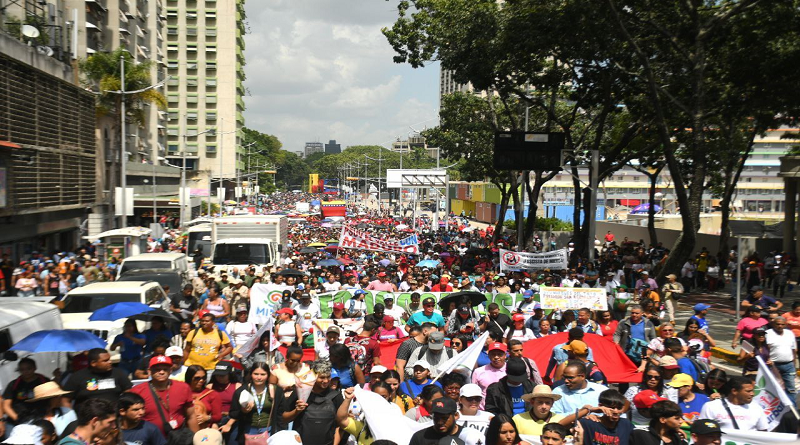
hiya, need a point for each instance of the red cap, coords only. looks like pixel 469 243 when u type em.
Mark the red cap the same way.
pixel 497 346
pixel 646 399
pixel 387 318
pixel 160 360
pixel 338 305
pixel 381 274
pixel 518 317
pixel 286 311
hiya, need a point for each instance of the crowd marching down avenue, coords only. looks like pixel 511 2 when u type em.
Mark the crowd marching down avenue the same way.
pixel 376 327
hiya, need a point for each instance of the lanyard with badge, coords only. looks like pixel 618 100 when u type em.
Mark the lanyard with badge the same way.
pixel 260 402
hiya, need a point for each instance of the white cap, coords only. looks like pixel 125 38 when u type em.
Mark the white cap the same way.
pixel 378 368
pixel 25 434
pixel 173 350
pixel 471 390
pixel 422 363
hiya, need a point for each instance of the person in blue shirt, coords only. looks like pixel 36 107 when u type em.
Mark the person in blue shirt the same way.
pixel 421 378
pixel 131 342
pixel 674 347
pixel 157 329
pixel 576 392
pixel 700 311
pixel 691 402
pixel 134 429
pixel 505 396
pixel 611 428
pixel 427 315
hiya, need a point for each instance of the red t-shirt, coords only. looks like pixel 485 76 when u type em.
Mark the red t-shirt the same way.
pixel 176 399
pixel 363 350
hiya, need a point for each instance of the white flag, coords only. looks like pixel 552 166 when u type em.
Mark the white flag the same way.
pixel 385 420
pixel 464 361
pixel 769 395
pixel 252 344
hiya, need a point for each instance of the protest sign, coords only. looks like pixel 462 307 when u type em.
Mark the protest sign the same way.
pixel 513 261
pixel 573 298
pixel 352 238
pixel 264 298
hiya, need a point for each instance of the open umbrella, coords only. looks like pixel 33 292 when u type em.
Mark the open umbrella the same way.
pixel 346 261
pixel 317 245
pixel 362 226
pixel 308 249
pixel 326 225
pixel 332 241
pixel 332 248
pixel 292 273
pixel 59 340
pixel 117 311
pixel 469 297
pixel 156 312
pixel 644 208
pixel 428 263
pixel 329 262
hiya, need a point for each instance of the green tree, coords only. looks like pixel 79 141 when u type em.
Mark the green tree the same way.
pixel 265 153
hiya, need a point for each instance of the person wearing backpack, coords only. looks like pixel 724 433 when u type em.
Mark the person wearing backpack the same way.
pixel 634 334
pixel 434 353
pixel 315 418
pixel 673 347
pixel 206 345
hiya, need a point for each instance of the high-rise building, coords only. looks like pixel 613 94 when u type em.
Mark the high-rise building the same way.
pixel 332 147
pixel 205 62
pixel 313 147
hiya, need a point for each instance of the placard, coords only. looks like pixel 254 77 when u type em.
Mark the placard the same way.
pixel 573 298
pixel 514 261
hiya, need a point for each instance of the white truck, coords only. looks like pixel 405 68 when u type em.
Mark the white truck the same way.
pixel 241 240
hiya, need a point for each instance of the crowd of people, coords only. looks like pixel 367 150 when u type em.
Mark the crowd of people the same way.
pixel 213 376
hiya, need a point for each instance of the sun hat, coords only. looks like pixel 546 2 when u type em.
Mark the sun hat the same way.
pixel 541 391
pixel 47 390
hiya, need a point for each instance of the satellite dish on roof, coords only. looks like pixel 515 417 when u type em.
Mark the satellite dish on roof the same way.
pixel 30 31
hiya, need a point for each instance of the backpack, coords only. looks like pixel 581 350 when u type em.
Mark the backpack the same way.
pixel 701 368
pixel 635 349
pixel 319 419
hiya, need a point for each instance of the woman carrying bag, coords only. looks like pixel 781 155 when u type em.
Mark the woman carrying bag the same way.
pixel 254 417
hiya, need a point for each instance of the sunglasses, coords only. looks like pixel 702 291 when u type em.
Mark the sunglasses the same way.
pixel 429 305
pixel 653 377
pixel 476 399
pixel 456 343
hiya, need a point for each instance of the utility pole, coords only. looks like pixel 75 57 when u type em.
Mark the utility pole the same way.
pixel 593 202
pixel 220 196
pixel 124 157
pixel 524 184
pixel 380 172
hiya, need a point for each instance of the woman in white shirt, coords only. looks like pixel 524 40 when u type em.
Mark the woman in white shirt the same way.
pixel 518 331
pixel 241 330
pixel 287 331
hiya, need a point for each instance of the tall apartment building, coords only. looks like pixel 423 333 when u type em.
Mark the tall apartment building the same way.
pixel 205 62
pixel 313 147
pixel 332 147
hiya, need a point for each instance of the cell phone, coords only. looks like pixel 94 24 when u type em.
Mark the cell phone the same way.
pixel 577 415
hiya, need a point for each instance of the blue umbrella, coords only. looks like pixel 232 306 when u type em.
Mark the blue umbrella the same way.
pixel 384 262
pixel 428 263
pixel 329 262
pixel 59 340
pixel 116 311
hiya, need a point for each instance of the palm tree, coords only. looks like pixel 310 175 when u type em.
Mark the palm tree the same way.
pixel 102 71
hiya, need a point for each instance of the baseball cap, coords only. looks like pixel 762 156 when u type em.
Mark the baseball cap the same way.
pixel 518 317
pixel 286 311
pixel 756 288
pixel 333 329
pixel 389 297
pixel 422 363
pixel 444 405
pixel 668 362
pixel 338 305
pixel 305 295
pixel 705 426
pixel 223 368
pixel 429 300
pixel 577 347
pixel 361 291
pixel 646 399
pixel 470 390
pixel 173 351
pixel 701 307
pixel 516 372
pixel 527 294
pixel 497 346
pixel 436 341
pixel 377 369
pixel 207 436
pixel 241 308
pixel 388 318
pixel 160 360
pixel 381 274
pixel 680 380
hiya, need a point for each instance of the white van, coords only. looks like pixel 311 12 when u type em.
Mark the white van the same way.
pixel 19 320
pixel 81 302
pixel 174 261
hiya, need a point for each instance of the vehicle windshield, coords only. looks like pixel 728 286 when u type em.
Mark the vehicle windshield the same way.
pixel 128 266
pixel 74 304
pixel 241 254
pixel 196 241
pixel 172 280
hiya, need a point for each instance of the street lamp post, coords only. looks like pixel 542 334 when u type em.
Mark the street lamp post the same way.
pixel 183 197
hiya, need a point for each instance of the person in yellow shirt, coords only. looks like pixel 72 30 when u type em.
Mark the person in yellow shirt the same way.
pixel 206 345
pixel 541 401
pixel 354 426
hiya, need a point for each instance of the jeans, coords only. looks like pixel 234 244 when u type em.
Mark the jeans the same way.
pixel 256 430
pixel 788 374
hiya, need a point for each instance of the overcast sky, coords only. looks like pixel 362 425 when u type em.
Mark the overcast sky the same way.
pixel 321 69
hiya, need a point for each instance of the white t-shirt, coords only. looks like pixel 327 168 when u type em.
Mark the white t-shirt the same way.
pixel 396 312
pixel 331 287
pixel 748 417
pixel 479 422
pixel 522 335
pixel 241 332
pixel 305 315
pixel 781 347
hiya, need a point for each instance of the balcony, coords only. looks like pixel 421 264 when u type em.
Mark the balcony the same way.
pixel 99 4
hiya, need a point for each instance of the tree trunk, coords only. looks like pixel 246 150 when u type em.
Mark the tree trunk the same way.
pixel 576 211
pixel 505 194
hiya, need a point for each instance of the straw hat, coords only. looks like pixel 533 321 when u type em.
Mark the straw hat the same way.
pixel 541 391
pixel 47 391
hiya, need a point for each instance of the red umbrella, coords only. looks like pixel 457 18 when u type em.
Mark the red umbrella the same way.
pixel 346 261
pixel 610 358
pixel 332 248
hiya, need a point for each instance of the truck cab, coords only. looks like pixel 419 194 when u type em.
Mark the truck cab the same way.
pixel 239 241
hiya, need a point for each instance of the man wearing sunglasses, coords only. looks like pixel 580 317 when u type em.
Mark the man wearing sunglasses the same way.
pixel 470 415
pixel 428 315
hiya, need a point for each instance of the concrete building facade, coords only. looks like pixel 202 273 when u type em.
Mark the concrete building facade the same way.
pixel 313 147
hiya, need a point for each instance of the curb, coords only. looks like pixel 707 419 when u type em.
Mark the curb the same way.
pixel 725 354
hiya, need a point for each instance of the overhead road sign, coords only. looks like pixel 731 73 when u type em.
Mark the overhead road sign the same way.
pixel 520 150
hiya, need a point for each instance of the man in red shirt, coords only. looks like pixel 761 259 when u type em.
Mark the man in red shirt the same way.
pixel 165 399
pixel 609 237
pixel 366 351
pixel 443 285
